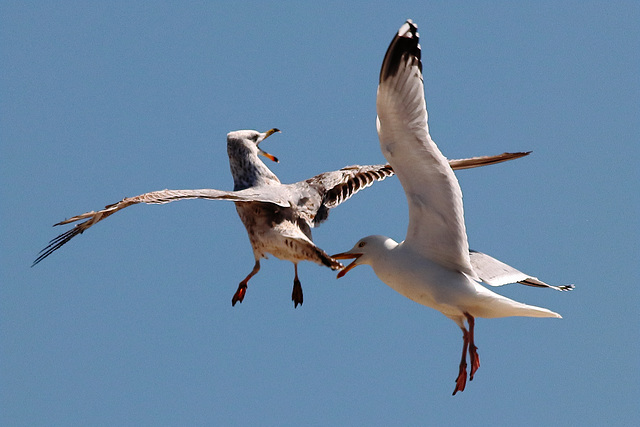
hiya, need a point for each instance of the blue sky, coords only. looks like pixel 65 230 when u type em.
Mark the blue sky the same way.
pixel 131 323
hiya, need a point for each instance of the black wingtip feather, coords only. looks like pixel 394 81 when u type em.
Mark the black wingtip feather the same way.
pixel 56 243
pixel 405 43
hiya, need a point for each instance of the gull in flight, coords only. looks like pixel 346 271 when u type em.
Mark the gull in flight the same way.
pixel 433 265
pixel 278 217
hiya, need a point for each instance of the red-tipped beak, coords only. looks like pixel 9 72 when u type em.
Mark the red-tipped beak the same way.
pixel 347 255
pixel 268 156
pixel 264 153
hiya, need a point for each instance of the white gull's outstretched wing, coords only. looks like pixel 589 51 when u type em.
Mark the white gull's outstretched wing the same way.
pixel 268 194
pixel 497 273
pixel 436 217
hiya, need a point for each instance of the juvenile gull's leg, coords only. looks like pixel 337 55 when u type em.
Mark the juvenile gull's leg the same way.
pixel 296 294
pixel 242 287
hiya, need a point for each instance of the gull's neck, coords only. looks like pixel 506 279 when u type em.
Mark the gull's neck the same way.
pixel 247 169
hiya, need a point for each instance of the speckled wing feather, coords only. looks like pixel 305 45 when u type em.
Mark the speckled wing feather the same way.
pixel 338 186
pixel 474 162
pixel 273 195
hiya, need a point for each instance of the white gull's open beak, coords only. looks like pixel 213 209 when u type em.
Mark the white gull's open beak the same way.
pixel 347 255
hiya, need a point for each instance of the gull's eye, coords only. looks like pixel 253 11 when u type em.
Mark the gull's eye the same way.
pixel 361 244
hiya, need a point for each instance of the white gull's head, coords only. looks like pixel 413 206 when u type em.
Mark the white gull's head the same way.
pixel 366 251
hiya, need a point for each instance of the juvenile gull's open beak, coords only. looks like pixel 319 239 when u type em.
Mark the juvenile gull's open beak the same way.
pixel 264 153
pixel 347 255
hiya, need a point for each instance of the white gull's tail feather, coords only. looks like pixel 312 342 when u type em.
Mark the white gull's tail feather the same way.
pixel 492 305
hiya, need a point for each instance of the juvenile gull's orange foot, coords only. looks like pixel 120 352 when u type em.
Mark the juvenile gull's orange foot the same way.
pixel 239 295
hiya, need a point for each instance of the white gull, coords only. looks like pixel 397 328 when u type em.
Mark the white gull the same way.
pixel 432 266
